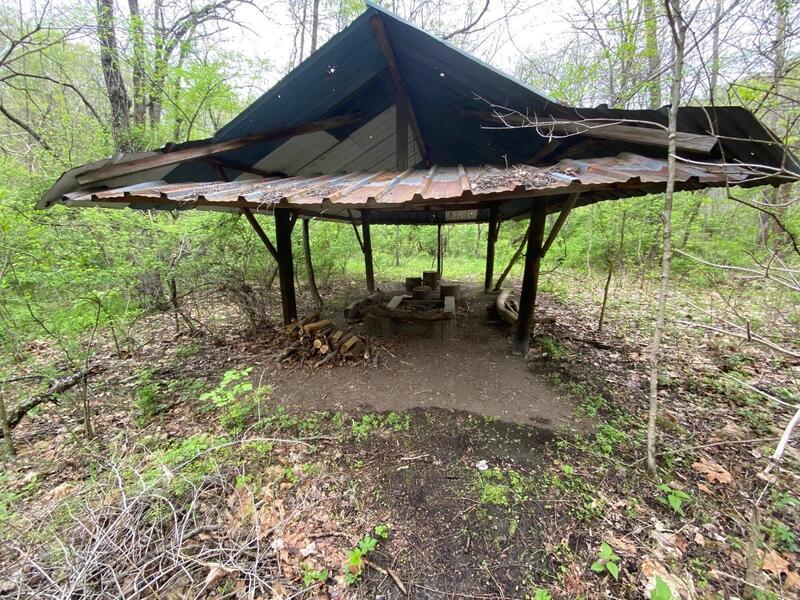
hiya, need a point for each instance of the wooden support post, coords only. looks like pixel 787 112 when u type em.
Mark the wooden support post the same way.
pixel 367 251
pixel 562 217
pixel 283 235
pixel 439 250
pixel 530 280
pixel 260 232
pixel 491 238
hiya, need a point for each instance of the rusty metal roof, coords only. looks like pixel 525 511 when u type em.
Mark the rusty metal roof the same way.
pixel 427 195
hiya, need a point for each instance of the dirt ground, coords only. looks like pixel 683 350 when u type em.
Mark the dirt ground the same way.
pixel 497 476
pixel 475 372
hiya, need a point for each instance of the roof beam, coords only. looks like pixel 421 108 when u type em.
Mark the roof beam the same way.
pixel 604 129
pixel 385 44
pixel 209 149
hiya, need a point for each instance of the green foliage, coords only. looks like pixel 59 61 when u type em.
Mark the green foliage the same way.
pixel 369 423
pixel 551 347
pixel 542 594
pixel 235 399
pixel 312 576
pixel 354 565
pixel 496 487
pixel 607 561
pixel 149 398
pixel 661 590
pixel 673 498
pixel 6 514
pixel 382 531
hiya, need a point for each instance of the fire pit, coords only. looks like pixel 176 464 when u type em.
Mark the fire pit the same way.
pixel 418 312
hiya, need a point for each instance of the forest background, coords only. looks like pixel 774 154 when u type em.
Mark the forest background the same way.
pixel 81 81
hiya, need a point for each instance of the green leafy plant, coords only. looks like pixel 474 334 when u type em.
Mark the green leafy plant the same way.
pixel 542 594
pixel 607 561
pixel 382 531
pixel 673 498
pixel 354 566
pixel 236 398
pixel 661 590
pixel 312 576
pixel 149 397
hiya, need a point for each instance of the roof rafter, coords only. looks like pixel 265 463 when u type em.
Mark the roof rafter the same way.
pixel 385 45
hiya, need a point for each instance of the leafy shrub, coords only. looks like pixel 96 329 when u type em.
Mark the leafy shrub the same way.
pixel 607 561
pixel 235 398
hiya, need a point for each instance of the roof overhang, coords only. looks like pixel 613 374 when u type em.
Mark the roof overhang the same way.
pixel 439 194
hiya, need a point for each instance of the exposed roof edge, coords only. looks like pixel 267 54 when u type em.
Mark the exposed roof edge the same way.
pixel 464 191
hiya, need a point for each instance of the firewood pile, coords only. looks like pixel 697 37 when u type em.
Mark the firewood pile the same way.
pixel 316 342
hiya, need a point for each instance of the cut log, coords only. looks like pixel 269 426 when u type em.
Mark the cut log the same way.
pixel 431 279
pixel 422 292
pixel 326 359
pixel 355 310
pixel 435 314
pixel 317 326
pixel 377 325
pixel 289 350
pixel 445 329
pixel 449 290
pixel 318 343
pixel 396 301
pixel 309 319
pixel 337 335
pixel 412 282
pixel 506 309
pixel 351 343
pixel 324 348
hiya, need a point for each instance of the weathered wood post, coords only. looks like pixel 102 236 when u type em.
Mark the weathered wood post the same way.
pixel 283 236
pixel 368 267
pixel 530 280
pixel 491 239
pixel 439 249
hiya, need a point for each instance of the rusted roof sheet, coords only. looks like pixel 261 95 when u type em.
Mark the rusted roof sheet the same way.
pixel 440 188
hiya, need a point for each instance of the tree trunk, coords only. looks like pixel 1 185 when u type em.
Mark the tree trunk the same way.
pixel 653 53
pixel 112 75
pixel 139 44
pixel 678 27
pixel 87 410
pixel 713 76
pixel 312 282
pixel 314 26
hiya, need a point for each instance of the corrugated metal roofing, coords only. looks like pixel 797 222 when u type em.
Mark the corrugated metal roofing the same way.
pixel 349 75
pixel 444 193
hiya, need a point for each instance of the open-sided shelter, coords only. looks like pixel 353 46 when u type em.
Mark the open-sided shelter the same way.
pixel 388 124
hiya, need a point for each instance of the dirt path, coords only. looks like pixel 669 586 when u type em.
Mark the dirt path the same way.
pixel 476 372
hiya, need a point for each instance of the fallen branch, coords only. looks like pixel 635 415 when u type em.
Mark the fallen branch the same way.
pixel 784 441
pixel 57 387
pixel 388 572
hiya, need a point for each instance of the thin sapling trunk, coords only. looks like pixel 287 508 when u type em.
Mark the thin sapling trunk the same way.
pixel 678 27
